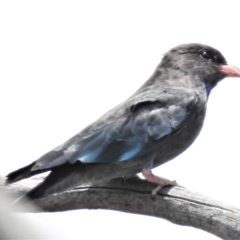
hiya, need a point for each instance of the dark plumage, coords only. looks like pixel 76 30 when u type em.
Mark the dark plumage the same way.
pixel 153 126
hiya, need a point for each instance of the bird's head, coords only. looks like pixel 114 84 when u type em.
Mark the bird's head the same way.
pixel 202 61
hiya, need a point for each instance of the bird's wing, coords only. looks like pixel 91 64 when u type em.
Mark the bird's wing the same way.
pixel 128 131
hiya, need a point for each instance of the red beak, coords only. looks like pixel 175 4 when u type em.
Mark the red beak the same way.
pixel 229 71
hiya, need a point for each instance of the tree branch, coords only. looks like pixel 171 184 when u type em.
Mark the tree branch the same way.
pixel 133 195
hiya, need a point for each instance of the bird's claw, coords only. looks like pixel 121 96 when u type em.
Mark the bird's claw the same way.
pixel 155 192
pixel 159 187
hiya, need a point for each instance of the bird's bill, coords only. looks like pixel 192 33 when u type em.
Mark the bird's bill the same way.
pixel 230 71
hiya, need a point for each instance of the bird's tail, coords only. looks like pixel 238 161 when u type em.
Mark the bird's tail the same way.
pixel 60 179
pixel 22 173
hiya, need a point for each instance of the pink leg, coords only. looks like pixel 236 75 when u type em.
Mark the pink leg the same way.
pixel 162 182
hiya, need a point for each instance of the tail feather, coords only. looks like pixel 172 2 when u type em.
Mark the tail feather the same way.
pixel 22 173
pixel 60 179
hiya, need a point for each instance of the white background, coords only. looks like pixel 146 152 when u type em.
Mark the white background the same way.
pixel 65 63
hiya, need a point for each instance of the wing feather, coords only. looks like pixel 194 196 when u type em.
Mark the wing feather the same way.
pixel 128 131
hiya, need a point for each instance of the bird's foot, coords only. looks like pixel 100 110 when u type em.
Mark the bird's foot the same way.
pixel 162 182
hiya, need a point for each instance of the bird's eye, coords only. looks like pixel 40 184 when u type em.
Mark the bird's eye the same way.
pixel 205 55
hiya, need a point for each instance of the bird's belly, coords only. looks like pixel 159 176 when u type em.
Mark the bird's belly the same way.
pixel 175 144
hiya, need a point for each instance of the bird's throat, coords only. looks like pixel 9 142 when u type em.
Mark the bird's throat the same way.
pixel 208 87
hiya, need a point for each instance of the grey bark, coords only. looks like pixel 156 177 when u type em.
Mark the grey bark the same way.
pixel 133 195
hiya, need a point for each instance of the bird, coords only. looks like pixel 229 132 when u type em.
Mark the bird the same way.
pixel 153 126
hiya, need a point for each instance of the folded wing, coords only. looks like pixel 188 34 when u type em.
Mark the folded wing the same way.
pixel 128 131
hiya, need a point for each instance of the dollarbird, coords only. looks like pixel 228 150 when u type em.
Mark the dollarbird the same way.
pixel 156 124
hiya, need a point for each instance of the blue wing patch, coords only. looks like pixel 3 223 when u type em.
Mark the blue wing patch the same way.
pixel 130 137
